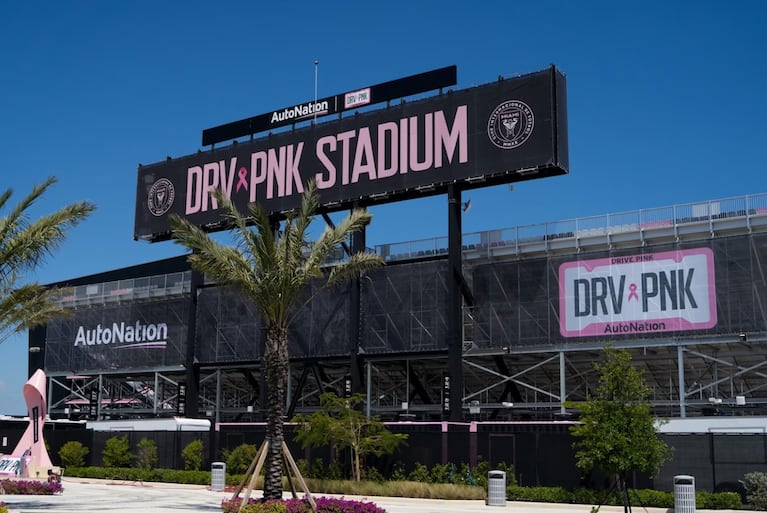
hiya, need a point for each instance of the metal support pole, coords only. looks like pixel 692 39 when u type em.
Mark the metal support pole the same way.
pixel 562 384
pixel 369 383
pixel 682 387
pixel 218 396
pixel 98 406
pixel 156 392
pixel 454 303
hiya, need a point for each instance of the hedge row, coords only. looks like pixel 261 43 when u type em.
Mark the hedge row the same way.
pixel 646 498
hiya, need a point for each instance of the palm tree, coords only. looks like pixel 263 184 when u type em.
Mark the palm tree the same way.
pixel 24 245
pixel 272 268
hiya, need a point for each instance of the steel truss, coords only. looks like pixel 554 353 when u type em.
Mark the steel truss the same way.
pixel 142 394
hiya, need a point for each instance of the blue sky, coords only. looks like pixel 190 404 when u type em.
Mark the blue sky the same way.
pixel 665 101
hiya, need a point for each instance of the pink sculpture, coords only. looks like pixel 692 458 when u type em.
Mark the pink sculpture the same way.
pixel 31 447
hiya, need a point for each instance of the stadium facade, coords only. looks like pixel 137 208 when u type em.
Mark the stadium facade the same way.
pixel 683 288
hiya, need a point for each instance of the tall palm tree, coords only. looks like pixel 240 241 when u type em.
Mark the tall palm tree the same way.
pixel 24 245
pixel 272 269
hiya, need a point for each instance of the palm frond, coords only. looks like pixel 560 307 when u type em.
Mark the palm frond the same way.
pixel 27 306
pixel 31 243
pixel 23 246
pixel 358 263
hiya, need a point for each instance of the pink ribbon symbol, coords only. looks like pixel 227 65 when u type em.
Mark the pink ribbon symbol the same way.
pixel 633 292
pixel 242 181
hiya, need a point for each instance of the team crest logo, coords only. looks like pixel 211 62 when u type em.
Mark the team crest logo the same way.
pixel 161 197
pixel 510 124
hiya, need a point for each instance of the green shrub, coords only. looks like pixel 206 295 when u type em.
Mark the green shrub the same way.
pixel 539 494
pixel 477 475
pixel 73 454
pixel 146 454
pixel 199 477
pixel 192 455
pixel 420 474
pixel 238 461
pixel 656 498
pixel 440 473
pixel 721 500
pixel 756 490
pixel 334 471
pixel 398 472
pixel 372 474
pixel 117 452
pixel 317 468
pixel 587 496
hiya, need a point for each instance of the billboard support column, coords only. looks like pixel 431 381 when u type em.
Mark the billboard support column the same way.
pixel 355 369
pixel 454 302
pixel 192 371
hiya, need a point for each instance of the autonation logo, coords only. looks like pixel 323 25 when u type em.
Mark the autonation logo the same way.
pixel 124 336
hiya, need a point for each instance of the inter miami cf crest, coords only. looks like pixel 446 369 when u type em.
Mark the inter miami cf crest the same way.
pixel 510 124
pixel 161 197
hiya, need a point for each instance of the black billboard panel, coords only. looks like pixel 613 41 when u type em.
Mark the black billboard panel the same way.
pixel 506 131
pixel 378 93
pixel 147 335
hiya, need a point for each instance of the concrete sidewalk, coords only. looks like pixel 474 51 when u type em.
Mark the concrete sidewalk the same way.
pixel 82 495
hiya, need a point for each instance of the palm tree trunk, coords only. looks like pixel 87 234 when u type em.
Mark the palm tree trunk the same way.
pixel 276 373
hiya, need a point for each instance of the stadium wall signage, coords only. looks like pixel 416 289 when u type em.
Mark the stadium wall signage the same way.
pixel 635 294
pixel 122 335
pixel 506 131
pixel 112 336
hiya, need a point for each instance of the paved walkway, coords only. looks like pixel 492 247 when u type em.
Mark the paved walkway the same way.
pixel 82 495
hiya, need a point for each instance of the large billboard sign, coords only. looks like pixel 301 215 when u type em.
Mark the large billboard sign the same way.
pixel 636 294
pixel 505 131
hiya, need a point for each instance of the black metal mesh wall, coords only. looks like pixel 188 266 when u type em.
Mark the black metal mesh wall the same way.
pixel 404 308
pixel 517 303
pixel 321 328
pixel 62 355
pixel 228 327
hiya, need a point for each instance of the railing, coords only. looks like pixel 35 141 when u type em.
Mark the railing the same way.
pixel 162 285
pixel 745 207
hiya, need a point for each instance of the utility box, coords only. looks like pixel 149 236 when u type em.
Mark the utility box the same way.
pixel 218 476
pixel 496 488
pixel 684 494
